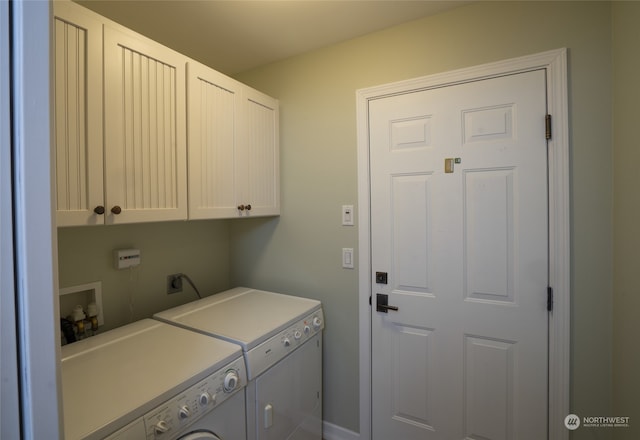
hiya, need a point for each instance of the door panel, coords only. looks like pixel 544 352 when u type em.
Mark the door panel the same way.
pixel 258 159
pixel 213 102
pixel 410 380
pixel 410 207
pixel 459 222
pixel 77 70
pixel 489 237
pixel 145 140
pixel 489 369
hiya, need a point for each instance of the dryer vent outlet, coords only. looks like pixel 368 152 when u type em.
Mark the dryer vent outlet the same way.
pixel 174 283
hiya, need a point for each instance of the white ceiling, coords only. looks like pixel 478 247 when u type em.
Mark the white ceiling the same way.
pixel 237 35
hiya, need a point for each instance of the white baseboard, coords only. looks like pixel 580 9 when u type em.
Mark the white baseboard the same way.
pixel 335 432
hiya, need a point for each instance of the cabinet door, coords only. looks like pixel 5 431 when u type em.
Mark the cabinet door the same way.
pixel 77 71
pixel 213 103
pixel 145 139
pixel 258 158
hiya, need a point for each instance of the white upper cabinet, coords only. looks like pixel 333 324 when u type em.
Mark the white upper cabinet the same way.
pixel 145 136
pixel 213 116
pixel 122 126
pixel 258 161
pixel 77 73
pixel 233 147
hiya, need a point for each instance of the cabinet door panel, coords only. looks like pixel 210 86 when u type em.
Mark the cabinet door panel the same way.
pixel 213 106
pixel 259 161
pixel 145 146
pixel 78 116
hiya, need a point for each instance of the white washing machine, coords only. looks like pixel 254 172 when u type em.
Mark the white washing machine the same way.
pixel 150 380
pixel 281 338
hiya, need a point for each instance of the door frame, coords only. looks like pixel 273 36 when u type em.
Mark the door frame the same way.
pixel 33 271
pixel 555 64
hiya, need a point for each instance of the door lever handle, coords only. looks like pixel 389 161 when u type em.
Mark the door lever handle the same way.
pixel 385 308
pixel 382 303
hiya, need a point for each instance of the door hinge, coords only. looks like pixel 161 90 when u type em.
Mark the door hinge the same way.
pixel 549 298
pixel 547 127
pixel 369 299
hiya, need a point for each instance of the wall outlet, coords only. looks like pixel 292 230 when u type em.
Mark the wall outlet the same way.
pixel 174 283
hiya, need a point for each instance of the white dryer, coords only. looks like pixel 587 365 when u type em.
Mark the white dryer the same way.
pixel 150 380
pixel 281 338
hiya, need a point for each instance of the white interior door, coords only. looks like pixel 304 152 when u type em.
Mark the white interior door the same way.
pixel 459 224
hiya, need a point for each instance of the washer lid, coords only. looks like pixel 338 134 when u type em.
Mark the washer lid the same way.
pixel 242 315
pixel 200 435
pixel 110 379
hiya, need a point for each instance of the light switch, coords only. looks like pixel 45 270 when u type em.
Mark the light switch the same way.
pixel 347 215
pixel 347 258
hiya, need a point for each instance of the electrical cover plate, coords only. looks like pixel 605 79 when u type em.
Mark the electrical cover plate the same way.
pixel 347 258
pixel 347 215
pixel 126 258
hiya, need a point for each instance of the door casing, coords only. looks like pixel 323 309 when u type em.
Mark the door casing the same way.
pixel 555 64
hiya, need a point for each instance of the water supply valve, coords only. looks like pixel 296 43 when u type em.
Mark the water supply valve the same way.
pixel 78 316
pixel 92 311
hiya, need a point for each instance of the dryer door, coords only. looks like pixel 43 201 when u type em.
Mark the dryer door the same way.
pixel 288 402
pixel 200 435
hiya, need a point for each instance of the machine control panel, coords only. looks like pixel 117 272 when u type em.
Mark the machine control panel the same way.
pixel 193 403
pixel 263 356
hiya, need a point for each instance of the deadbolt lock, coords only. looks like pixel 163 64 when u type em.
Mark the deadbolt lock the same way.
pixel 448 163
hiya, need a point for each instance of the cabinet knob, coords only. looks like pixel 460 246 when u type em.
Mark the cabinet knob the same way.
pixel 240 207
pixel 248 207
pixel 99 210
pixel 116 210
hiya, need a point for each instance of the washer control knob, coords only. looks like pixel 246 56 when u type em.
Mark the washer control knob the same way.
pixel 206 399
pixel 317 322
pixel 161 427
pixel 286 342
pixel 307 329
pixel 297 335
pixel 184 412
pixel 230 381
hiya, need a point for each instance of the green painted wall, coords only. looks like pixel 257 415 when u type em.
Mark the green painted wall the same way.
pixel 300 252
pixel 626 215
pixel 198 248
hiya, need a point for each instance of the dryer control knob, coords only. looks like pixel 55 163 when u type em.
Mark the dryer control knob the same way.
pixel 230 381
pixel 317 322
pixel 206 399
pixel 286 342
pixel 161 427
pixel 184 412
pixel 307 329
pixel 297 334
